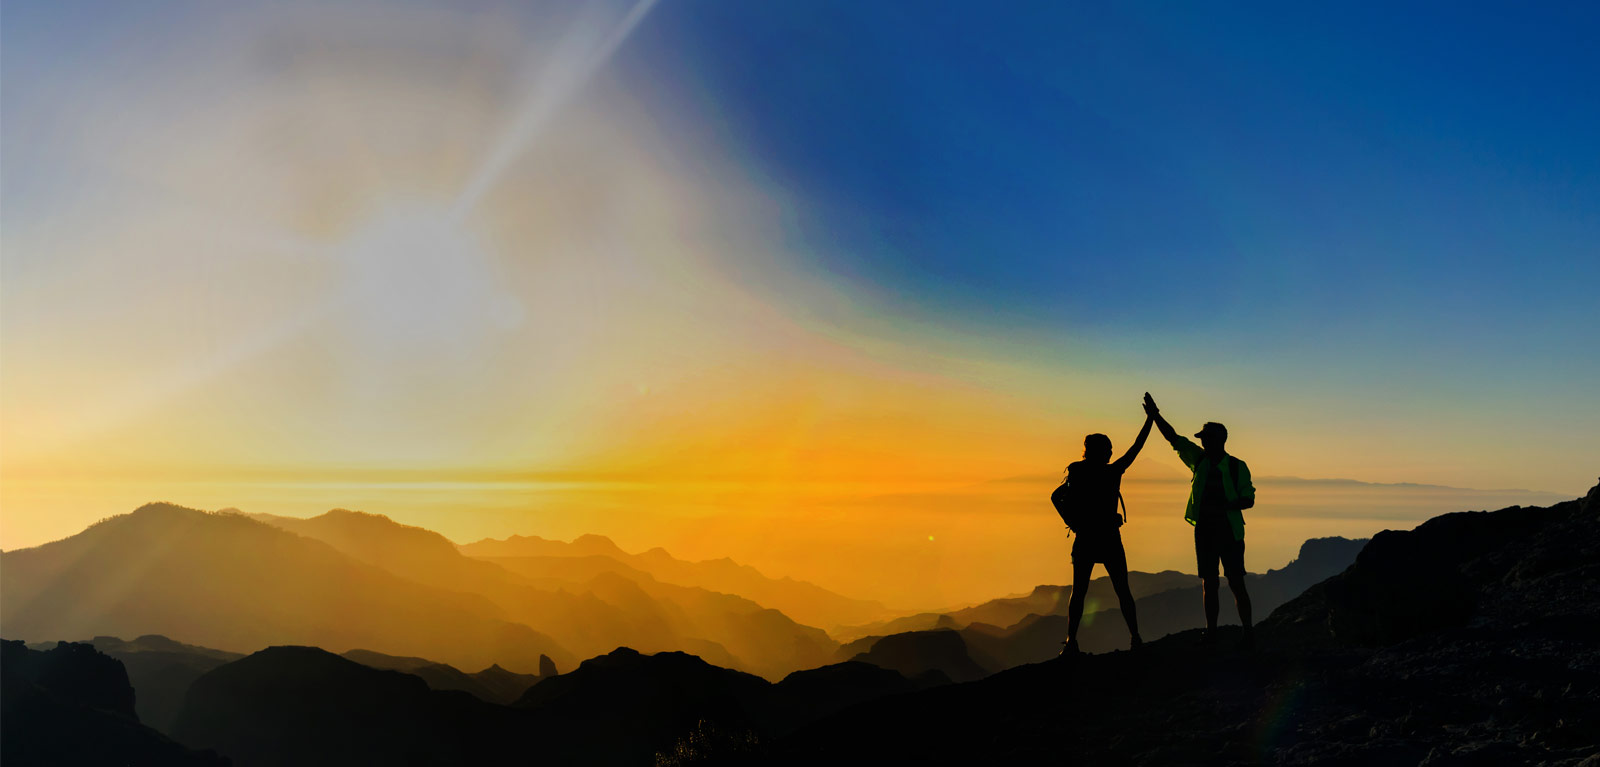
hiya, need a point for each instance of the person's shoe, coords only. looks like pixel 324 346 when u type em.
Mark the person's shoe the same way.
pixel 1208 637
pixel 1249 640
pixel 1135 643
pixel 1069 648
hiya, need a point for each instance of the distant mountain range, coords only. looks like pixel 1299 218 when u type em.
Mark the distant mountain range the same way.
pixel 1467 640
pixel 1005 611
pixel 1014 631
pixel 805 602
pixel 588 609
pixel 347 580
pixel 236 584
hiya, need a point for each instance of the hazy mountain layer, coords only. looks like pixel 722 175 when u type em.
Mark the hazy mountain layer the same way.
pixel 591 609
pixel 161 671
pixel 764 641
pixel 1006 611
pixel 229 582
pixel 805 602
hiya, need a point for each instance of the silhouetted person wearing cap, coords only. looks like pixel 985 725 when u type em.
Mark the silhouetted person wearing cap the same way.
pixel 1218 496
pixel 1097 482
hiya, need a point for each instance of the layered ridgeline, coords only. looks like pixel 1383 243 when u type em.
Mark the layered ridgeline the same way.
pixel 347 580
pixel 588 612
pixel 159 669
pixel 229 582
pixel 1013 631
pixel 1467 640
pixel 591 555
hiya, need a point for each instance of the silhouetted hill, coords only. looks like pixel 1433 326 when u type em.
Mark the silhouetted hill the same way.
pixel 595 607
pixel 917 652
pixel 226 581
pixel 161 671
pixel 493 684
pixel 301 705
pixel 1469 640
pixel 506 687
pixel 305 706
pixel 72 705
pixel 806 696
pixel 805 602
pixel 622 705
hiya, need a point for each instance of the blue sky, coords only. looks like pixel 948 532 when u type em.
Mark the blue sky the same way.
pixel 1161 164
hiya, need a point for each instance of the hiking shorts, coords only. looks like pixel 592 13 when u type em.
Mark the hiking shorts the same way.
pixel 1216 542
pixel 1100 548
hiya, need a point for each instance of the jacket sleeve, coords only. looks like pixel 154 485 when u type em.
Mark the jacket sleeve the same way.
pixel 1244 488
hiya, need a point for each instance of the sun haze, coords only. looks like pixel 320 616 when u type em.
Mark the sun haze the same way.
pixel 838 303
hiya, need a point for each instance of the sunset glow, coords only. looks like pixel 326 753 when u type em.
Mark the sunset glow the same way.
pixel 498 271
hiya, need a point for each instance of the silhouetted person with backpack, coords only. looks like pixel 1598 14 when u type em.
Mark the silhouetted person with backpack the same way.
pixel 1218 496
pixel 1087 501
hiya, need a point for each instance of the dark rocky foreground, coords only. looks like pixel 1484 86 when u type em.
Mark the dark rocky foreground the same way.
pixel 72 705
pixel 1473 639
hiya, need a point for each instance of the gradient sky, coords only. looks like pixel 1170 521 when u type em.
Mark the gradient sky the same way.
pixel 751 260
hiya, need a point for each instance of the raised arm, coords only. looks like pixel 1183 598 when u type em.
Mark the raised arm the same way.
pixel 1126 460
pixel 1154 412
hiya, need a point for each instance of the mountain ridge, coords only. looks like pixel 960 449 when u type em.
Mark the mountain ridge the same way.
pixel 229 582
pixel 802 600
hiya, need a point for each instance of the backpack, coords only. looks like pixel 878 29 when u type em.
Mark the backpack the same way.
pixel 1074 513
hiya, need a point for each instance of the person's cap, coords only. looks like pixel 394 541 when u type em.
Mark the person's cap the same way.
pixel 1214 429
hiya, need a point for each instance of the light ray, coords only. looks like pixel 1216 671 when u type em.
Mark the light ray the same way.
pixel 569 69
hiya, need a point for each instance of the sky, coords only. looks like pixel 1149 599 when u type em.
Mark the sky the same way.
pixel 805 284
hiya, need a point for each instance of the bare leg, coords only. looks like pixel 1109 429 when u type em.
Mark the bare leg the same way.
pixel 1130 613
pixel 1081 574
pixel 1209 587
pixel 1241 599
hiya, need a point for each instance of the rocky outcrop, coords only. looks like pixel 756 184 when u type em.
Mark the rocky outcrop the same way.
pixel 74 705
pixel 161 671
